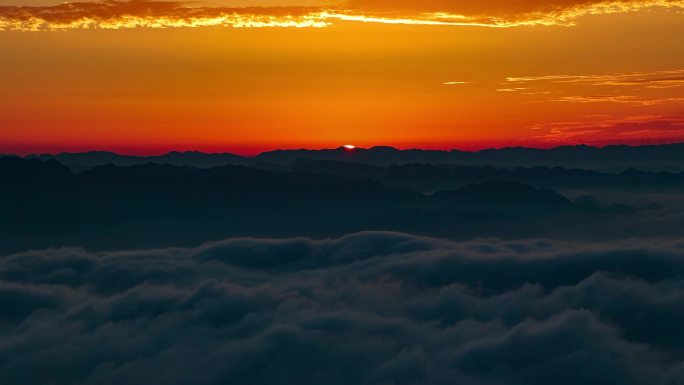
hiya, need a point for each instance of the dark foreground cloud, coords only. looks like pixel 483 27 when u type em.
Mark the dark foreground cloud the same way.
pixel 368 308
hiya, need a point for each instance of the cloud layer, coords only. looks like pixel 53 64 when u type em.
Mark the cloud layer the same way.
pixel 368 308
pixel 113 14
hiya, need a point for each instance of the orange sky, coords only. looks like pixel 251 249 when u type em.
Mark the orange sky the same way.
pixel 149 77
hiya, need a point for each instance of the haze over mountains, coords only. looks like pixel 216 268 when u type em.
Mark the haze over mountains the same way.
pixel 45 203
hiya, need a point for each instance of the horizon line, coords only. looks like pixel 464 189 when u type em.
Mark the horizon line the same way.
pixel 342 148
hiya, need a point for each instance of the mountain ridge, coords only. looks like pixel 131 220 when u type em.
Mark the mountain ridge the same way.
pixel 46 204
pixel 617 157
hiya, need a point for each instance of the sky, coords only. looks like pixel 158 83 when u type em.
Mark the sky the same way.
pixel 147 77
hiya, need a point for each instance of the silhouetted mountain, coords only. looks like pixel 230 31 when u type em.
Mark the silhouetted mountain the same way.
pixel 432 177
pixel 615 158
pixel 379 155
pixel 506 196
pixel 25 175
pixel 43 203
pixel 610 157
pixel 98 158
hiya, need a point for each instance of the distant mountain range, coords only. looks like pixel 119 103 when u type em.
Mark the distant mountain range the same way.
pixel 424 177
pixel 84 160
pixel 45 203
pixel 657 157
pixel 434 177
pixel 611 157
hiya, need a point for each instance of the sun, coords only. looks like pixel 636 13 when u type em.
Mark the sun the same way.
pixel 349 147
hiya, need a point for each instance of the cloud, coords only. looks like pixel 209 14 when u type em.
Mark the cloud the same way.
pixel 648 78
pixel 620 99
pixel 516 89
pixel 605 129
pixel 646 88
pixel 113 14
pixel 367 308
pixel 501 6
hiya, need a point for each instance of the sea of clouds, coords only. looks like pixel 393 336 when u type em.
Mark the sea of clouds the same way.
pixel 367 308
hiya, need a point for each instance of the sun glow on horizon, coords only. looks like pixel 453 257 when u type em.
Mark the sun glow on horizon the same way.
pixel 129 76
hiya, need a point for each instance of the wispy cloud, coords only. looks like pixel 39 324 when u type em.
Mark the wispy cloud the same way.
pixel 648 83
pixel 647 78
pixel 605 129
pixel 621 99
pixel 516 89
pixel 646 88
pixel 113 14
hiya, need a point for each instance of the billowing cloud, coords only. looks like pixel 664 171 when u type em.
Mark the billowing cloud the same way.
pixel 368 308
pixel 115 14
pixel 112 14
pixel 501 13
pixel 499 7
